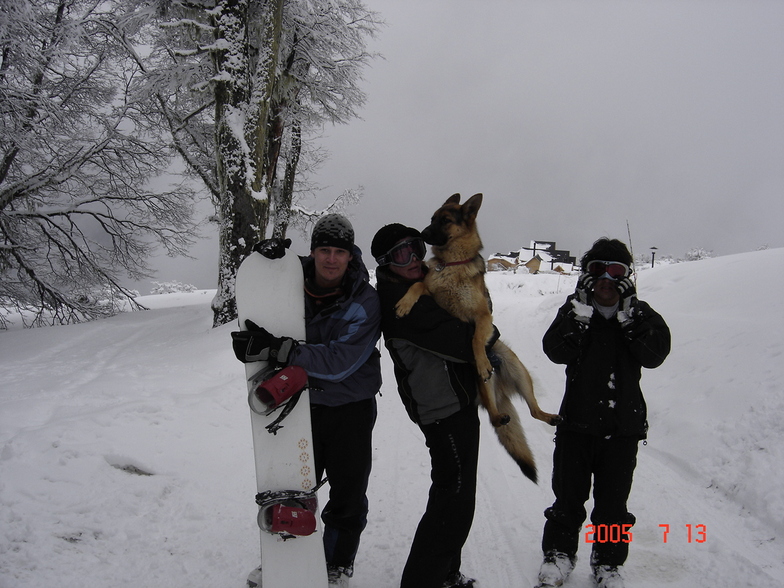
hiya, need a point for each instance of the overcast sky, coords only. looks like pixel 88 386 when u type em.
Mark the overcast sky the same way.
pixel 572 117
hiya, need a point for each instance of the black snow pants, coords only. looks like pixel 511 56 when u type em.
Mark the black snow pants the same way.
pixel 342 448
pixel 454 451
pixel 611 462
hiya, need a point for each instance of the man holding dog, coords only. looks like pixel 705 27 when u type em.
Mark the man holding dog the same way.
pixel 432 354
pixel 604 335
pixel 339 354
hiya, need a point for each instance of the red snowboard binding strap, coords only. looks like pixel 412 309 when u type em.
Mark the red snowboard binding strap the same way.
pixel 288 513
pixel 288 520
pixel 273 391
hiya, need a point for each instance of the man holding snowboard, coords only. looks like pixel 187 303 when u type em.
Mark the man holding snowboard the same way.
pixel 342 316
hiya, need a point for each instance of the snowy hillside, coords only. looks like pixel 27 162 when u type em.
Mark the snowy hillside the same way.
pixel 126 458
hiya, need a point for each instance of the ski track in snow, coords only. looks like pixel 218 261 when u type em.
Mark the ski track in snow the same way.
pixel 86 411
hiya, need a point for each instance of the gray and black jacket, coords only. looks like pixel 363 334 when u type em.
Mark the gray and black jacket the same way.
pixel 432 353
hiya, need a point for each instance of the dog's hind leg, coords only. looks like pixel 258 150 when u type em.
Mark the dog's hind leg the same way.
pixel 487 396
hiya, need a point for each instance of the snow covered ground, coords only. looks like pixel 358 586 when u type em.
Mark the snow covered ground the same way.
pixel 126 458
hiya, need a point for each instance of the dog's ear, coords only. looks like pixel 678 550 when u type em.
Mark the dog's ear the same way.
pixel 471 206
pixel 453 199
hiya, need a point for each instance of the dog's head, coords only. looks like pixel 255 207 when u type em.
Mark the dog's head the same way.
pixel 453 221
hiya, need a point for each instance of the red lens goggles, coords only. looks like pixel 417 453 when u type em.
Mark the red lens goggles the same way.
pixel 615 270
pixel 403 253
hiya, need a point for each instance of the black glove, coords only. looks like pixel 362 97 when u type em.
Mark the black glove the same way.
pixel 258 344
pixel 582 302
pixel 274 248
pixel 584 289
pixel 627 305
pixel 626 288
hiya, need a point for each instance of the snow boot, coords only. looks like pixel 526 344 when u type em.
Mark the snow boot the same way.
pixel 556 567
pixel 458 580
pixel 337 576
pixel 607 577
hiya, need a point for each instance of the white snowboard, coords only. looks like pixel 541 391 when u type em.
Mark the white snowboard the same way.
pixel 271 294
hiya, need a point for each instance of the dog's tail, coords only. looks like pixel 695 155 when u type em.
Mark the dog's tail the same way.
pixel 511 435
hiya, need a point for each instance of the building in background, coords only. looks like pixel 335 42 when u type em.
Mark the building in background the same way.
pixel 540 256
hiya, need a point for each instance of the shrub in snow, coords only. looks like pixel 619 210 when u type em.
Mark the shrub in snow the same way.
pixel 171 288
pixel 698 253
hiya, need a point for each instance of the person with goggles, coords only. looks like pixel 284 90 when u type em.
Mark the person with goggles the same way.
pixel 402 254
pixel 604 335
pixel 432 353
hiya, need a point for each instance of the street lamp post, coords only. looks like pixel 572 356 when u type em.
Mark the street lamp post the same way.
pixel 653 254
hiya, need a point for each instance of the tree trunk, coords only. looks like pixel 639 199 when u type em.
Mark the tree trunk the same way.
pixel 244 207
pixel 286 198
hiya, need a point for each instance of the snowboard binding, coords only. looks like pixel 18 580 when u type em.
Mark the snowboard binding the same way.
pixel 273 388
pixel 288 513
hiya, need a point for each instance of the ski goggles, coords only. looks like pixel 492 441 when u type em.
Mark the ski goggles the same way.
pixel 615 270
pixel 403 253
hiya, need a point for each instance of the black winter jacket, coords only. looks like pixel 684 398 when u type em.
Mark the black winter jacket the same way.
pixel 431 350
pixel 603 369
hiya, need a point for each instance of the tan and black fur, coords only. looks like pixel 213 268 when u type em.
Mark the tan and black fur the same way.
pixel 456 281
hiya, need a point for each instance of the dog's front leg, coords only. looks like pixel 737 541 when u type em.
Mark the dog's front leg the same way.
pixel 482 333
pixel 405 304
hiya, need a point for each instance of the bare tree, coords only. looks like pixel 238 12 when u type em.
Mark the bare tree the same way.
pixel 265 75
pixel 78 160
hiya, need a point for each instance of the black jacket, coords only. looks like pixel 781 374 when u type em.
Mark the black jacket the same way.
pixel 431 350
pixel 603 368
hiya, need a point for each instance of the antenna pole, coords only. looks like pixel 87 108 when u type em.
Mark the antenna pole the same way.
pixel 631 248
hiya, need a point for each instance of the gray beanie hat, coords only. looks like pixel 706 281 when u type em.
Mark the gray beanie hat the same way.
pixel 332 230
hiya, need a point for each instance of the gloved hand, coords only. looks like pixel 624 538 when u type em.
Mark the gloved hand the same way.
pixel 582 302
pixel 584 289
pixel 274 248
pixel 258 344
pixel 628 301
pixel 626 288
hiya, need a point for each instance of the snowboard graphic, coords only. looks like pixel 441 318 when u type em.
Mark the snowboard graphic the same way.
pixel 270 292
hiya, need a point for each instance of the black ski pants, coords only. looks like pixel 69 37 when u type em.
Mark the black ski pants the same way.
pixel 454 451
pixel 611 462
pixel 343 449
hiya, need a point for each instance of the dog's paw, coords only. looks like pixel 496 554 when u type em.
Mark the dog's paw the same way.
pixel 550 419
pixel 501 420
pixel 484 368
pixel 402 308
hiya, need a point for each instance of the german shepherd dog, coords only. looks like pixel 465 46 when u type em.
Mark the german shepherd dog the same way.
pixel 456 281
